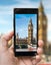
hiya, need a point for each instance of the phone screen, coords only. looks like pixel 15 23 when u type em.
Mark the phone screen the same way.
pixel 26 37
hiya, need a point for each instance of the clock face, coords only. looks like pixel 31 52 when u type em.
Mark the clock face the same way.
pixel 29 28
pixel 39 22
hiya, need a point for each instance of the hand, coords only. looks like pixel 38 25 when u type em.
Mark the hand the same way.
pixel 7 54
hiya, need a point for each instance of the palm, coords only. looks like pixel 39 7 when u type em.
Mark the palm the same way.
pixel 7 55
pixel 10 59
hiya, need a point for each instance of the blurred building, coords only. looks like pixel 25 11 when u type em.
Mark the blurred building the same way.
pixel 42 24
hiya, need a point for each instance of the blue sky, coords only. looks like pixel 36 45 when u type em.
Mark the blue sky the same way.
pixel 21 24
pixel 6 13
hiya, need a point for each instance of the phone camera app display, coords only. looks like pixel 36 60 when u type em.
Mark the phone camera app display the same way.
pixel 25 32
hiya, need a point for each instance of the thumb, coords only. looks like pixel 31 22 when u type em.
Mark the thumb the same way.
pixel 4 40
pixel 11 49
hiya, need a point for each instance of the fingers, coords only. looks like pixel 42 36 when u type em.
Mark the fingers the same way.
pixel 11 47
pixel 40 48
pixel 7 37
pixel 39 51
pixel 40 43
pixel 38 58
pixel 35 61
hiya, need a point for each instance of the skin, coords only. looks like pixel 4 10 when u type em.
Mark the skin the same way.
pixel 7 54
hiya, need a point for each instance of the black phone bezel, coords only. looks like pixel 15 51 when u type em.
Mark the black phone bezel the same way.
pixel 25 11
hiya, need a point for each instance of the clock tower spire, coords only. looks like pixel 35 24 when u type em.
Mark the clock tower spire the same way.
pixel 42 31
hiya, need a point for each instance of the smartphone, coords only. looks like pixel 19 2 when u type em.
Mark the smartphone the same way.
pixel 25 31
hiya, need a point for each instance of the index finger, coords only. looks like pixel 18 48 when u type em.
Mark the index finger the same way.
pixel 8 36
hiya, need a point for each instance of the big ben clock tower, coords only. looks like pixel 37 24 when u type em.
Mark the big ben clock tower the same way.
pixel 30 31
pixel 42 30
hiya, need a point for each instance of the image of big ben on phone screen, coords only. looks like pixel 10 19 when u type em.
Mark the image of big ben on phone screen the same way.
pixel 25 21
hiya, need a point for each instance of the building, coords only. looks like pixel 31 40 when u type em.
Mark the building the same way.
pixel 30 32
pixel 42 23
pixel 30 40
